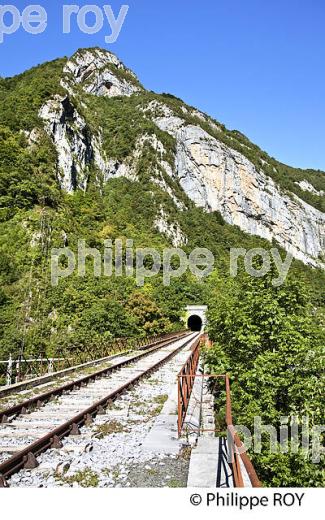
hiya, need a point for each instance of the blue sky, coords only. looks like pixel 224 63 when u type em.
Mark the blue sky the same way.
pixel 255 65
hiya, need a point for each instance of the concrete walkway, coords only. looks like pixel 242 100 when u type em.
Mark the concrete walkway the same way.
pixel 163 437
pixel 208 465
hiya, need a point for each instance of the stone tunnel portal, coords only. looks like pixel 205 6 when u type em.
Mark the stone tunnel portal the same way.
pixel 195 317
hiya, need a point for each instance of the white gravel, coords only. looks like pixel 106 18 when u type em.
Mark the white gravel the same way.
pixel 111 448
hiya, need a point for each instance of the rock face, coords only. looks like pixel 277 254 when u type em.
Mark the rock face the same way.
pixel 72 141
pixel 218 178
pixel 76 148
pixel 171 230
pixel 213 175
pixel 306 186
pixel 99 72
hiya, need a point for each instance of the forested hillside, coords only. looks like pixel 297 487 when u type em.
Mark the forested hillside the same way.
pixel 271 340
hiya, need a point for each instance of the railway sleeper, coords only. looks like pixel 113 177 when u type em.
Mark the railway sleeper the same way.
pixel 56 443
pixel 30 461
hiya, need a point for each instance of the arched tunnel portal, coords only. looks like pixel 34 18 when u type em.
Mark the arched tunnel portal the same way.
pixel 195 317
pixel 194 323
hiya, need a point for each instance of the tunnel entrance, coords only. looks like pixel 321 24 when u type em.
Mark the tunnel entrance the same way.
pixel 194 323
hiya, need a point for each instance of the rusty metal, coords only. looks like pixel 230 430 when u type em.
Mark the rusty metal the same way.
pixel 74 429
pixel 30 461
pixel 88 420
pixel 3 482
pixel 234 455
pixel 186 378
pixel 17 462
pixel 236 445
pixel 80 355
pixel 56 443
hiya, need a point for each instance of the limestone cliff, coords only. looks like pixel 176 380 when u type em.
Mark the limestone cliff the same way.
pixel 213 175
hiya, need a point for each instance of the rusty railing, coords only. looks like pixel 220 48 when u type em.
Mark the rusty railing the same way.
pixel 186 378
pixel 236 450
pixel 19 369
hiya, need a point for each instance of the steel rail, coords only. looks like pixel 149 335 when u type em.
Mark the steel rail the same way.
pixel 39 400
pixel 26 458
pixel 120 343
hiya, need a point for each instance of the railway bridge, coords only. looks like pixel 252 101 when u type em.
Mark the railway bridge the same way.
pixel 133 411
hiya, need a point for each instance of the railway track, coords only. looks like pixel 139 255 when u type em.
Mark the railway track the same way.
pixel 38 424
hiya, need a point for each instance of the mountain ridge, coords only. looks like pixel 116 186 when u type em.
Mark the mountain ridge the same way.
pixel 80 165
pixel 103 124
pixel 220 170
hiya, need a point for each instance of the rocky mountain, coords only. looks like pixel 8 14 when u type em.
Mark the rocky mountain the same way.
pixel 217 169
pixel 86 152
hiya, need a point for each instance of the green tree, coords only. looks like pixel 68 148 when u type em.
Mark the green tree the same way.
pixel 267 339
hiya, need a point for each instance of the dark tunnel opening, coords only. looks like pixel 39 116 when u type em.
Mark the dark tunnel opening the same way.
pixel 194 323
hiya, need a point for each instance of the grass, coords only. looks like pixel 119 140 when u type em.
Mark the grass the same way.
pixel 153 381
pixel 160 399
pixel 174 483
pixel 137 404
pixel 113 473
pixel 85 478
pixel 152 471
pixel 148 413
pixel 110 427
pixel 114 406
pixel 185 453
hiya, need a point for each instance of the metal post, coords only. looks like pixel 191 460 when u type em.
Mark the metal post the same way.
pixel 9 371
pixel 50 366
pixel 17 379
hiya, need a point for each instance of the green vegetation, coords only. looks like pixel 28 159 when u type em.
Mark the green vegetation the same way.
pixel 160 399
pixel 123 121
pixel 263 335
pixel 110 427
pixel 22 96
pixel 174 483
pixel 123 124
pixel 285 176
pixel 84 478
pixel 271 343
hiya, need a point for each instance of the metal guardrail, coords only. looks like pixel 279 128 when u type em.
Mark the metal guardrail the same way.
pixel 237 448
pixel 237 451
pixel 16 370
pixel 39 399
pixel 186 379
